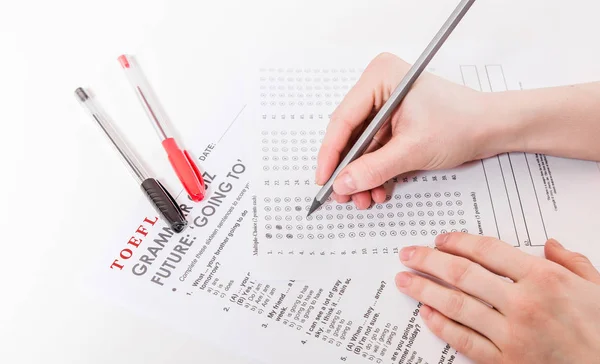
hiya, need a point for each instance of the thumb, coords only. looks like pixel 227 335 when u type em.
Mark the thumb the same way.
pixel 373 169
pixel 575 262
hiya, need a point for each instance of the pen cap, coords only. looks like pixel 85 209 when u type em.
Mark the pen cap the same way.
pixel 165 204
pixel 129 158
pixel 146 96
pixel 188 173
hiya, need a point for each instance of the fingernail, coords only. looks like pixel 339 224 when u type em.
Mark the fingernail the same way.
pixel 425 312
pixel 345 184
pixel 441 239
pixel 353 197
pixel 406 253
pixel 556 243
pixel 403 279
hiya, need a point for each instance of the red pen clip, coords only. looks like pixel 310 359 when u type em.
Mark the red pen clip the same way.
pixel 184 166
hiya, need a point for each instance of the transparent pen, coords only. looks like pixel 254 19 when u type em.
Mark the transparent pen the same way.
pixel 160 198
pixel 183 165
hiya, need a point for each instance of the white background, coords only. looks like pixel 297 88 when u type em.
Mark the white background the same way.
pixel 62 187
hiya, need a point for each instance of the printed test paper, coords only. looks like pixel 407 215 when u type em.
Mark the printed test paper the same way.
pixel 218 282
pixel 522 199
pixel 202 282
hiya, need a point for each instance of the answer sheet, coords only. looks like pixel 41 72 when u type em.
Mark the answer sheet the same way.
pixel 522 199
pixel 206 282
pixel 202 282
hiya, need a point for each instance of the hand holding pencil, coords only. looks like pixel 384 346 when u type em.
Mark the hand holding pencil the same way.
pixel 385 110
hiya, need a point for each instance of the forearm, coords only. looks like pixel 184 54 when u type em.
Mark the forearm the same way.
pixel 561 121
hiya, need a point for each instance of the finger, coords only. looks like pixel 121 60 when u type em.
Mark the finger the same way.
pixel 350 113
pixel 362 200
pixel 493 254
pixel 340 198
pixel 460 273
pixel 374 169
pixel 464 340
pixel 384 134
pixel 575 262
pixel 325 150
pixel 329 154
pixel 454 304
pixel 378 194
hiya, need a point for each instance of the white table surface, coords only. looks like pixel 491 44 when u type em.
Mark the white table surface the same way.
pixel 59 179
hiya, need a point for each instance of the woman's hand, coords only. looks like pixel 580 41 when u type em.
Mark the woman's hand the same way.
pixel 547 311
pixel 438 125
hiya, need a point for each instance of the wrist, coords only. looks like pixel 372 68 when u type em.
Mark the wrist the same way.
pixel 559 121
pixel 503 124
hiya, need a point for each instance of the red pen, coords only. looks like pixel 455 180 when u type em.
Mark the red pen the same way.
pixel 182 163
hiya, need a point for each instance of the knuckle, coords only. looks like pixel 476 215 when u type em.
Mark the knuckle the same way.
pixel 578 259
pixel 458 271
pixel 523 304
pixel 454 239
pixel 455 305
pixel 437 324
pixel 528 309
pixel 548 277
pixel 416 287
pixel 337 120
pixel 384 57
pixel 484 247
pixel 464 343
pixel 420 256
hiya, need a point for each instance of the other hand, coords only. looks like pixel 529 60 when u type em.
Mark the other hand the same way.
pixel 547 311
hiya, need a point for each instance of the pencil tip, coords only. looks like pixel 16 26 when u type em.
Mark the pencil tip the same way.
pixel 315 205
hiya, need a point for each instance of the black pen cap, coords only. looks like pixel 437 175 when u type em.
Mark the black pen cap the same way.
pixel 165 204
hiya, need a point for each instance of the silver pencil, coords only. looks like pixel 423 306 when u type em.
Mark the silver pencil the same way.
pixel 395 98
